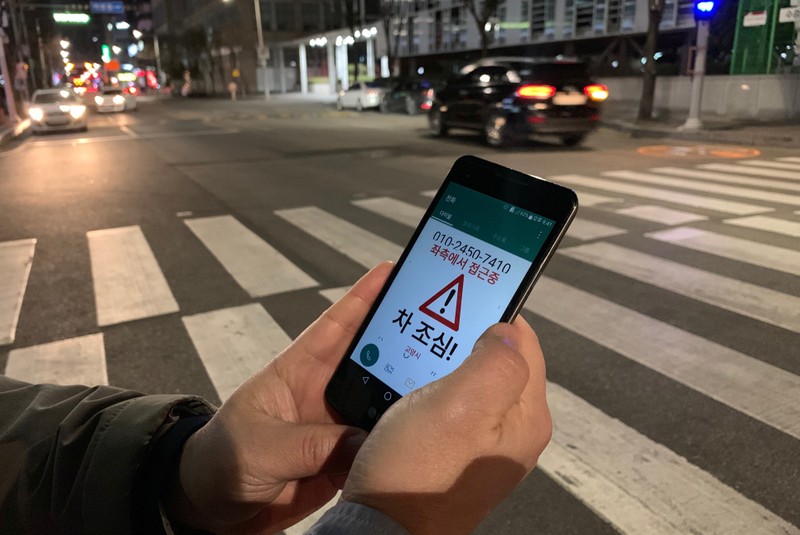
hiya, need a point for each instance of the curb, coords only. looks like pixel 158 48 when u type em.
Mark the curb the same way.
pixel 15 131
pixel 740 136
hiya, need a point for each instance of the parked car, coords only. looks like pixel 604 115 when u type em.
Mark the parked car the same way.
pixel 57 109
pixel 408 96
pixel 361 95
pixel 515 98
pixel 114 99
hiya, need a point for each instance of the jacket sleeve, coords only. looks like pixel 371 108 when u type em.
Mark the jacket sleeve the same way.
pixel 347 518
pixel 70 456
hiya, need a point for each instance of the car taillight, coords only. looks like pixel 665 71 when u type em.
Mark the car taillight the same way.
pixel 541 92
pixel 598 92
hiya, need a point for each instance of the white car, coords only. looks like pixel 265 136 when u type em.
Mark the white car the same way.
pixel 361 95
pixel 111 100
pixel 57 109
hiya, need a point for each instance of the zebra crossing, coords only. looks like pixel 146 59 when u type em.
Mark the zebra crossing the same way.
pixel 621 473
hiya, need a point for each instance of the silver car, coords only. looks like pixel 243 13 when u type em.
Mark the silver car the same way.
pixel 111 100
pixel 362 95
pixel 57 109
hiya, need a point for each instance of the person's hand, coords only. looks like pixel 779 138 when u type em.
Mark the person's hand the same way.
pixel 444 456
pixel 274 453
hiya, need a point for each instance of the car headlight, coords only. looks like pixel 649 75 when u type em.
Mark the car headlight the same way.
pixel 98 100
pixel 37 114
pixel 77 111
pixel 118 99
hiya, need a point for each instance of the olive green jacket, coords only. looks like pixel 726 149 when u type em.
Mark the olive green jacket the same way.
pixel 71 456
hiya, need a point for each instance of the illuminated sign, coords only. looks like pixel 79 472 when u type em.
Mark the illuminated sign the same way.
pixel 107 8
pixel 71 18
pixel 105 53
pixel 704 9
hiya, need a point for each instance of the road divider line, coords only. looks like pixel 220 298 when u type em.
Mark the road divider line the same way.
pixel 234 343
pixel 731 168
pixel 361 246
pixel 128 131
pixel 75 361
pixel 757 389
pixel 750 252
pixel 768 224
pixel 128 283
pixel 757 302
pixel 638 485
pixel 255 265
pixel 16 259
pixel 666 195
pixel 770 164
pixel 659 214
pixel 727 178
pixel 731 191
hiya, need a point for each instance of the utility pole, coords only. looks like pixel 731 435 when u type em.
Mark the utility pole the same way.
pixel 12 106
pixel 263 53
pixel 703 12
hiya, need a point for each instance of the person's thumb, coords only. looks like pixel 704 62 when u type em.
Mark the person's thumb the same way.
pixel 305 450
pixel 492 378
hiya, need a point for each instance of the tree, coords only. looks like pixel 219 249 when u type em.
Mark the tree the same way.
pixel 394 16
pixel 655 12
pixel 483 17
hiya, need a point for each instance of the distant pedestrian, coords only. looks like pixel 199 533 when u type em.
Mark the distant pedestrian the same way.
pixel 233 88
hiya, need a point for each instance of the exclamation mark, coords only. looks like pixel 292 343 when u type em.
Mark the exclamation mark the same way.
pixel 447 301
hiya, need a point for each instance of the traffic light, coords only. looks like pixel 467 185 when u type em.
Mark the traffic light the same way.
pixel 105 53
pixel 705 9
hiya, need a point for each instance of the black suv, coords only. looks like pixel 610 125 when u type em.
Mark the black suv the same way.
pixel 514 98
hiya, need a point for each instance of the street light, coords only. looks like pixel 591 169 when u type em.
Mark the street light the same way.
pixel 704 11
pixel 64 43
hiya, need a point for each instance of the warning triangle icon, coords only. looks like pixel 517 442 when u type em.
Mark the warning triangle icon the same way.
pixel 445 305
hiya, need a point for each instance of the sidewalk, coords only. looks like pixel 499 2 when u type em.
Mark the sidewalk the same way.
pixel 716 129
pixel 11 130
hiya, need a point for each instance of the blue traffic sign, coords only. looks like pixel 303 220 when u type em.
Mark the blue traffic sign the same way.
pixel 107 8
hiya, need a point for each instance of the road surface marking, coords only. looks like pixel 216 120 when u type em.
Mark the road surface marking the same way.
pixel 760 390
pixel 234 343
pixel 153 135
pixel 334 294
pixel 638 485
pixel 258 267
pixel 756 302
pixel 660 194
pixel 772 173
pixel 75 361
pixel 130 132
pixel 773 165
pixel 429 193
pixel 592 199
pixel 16 258
pixel 793 159
pixel 128 284
pixel 359 245
pixel 750 252
pixel 402 212
pixel 728 178
pixel 769 224
pixel 583 230
pixel 659 214
pixel 732 191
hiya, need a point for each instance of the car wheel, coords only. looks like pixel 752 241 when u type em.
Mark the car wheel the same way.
pixel 339 104
pixel 436 123
pixel 359 106
pixel 384 107
pixel 411 106
pixel 495 130
pixel 572 141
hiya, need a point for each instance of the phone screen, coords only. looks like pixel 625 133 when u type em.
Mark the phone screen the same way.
pixel 466 265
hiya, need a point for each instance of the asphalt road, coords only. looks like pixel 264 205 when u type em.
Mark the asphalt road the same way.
pixel 670 319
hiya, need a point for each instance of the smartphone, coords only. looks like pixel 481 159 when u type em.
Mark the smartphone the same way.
pixel 472 261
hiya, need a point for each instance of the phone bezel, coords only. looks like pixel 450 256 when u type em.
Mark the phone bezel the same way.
pixel 529 192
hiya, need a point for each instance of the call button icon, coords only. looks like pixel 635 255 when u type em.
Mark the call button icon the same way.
pixel 369 355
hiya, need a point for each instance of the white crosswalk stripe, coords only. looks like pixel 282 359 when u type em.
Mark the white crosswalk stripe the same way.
pixel 16 258
pixel 128 283
pixel 731 191
pixel 758 254
pixel 661 194
pixel 257 266
pixel 234 343
pixel 769 224
pixel 731 294
pixel 728 178
pixel 623 476
pixel 75 361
